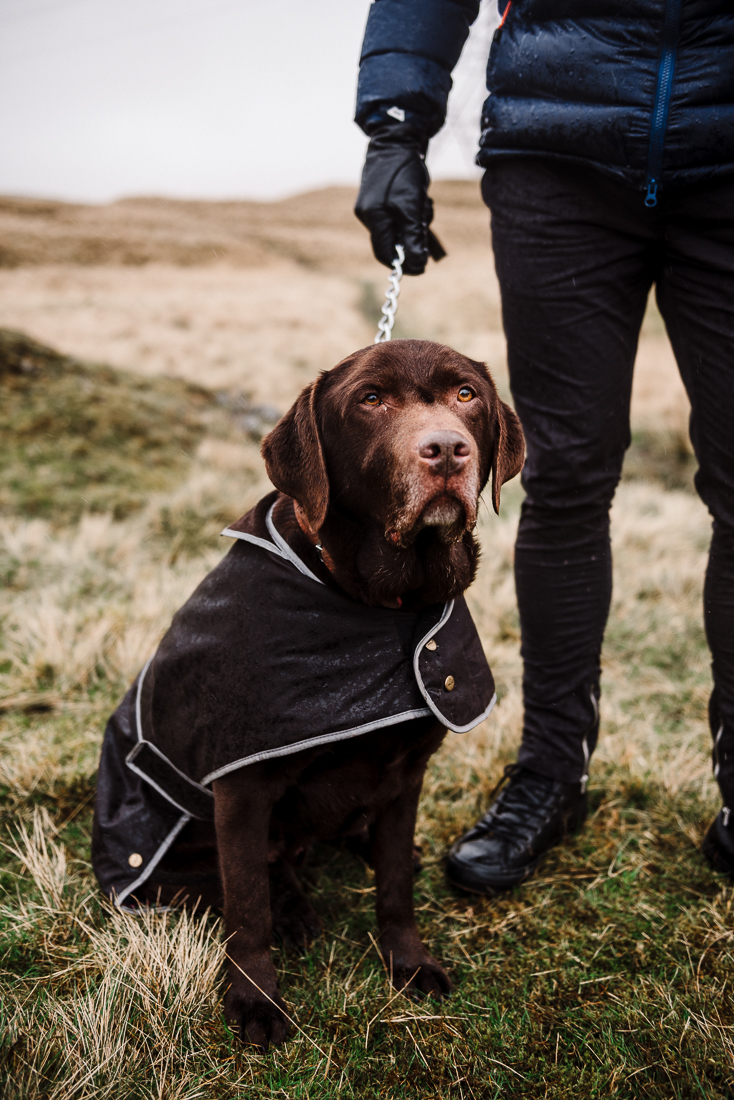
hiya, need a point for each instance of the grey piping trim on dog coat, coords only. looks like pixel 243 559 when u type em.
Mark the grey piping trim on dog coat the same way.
pixel 262 543
pixel 286 550
pixel 138 697
pixel 152 862
pixel 419 679
pixel 281 546
pixel 130 761
pixel 325 739
pixel 130 758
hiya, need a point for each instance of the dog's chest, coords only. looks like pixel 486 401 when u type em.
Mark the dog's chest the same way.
pixel 339 791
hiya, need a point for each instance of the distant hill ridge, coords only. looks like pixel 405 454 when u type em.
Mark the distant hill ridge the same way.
pixel 317 228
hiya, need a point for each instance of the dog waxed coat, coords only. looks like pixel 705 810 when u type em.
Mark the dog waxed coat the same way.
pixel 262 661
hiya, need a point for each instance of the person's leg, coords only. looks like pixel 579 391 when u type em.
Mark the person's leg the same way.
pixel 695 294
pixel 575 259
pixel 574 279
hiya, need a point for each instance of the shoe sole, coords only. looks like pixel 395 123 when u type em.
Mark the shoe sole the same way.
pixel 496 888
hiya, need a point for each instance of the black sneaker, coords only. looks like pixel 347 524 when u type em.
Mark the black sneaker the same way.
pixel 718 844
pixel 530 815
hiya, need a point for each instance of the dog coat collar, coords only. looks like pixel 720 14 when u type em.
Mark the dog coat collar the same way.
pixel 265 660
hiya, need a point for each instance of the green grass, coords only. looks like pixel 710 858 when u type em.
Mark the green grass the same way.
pixel 607 975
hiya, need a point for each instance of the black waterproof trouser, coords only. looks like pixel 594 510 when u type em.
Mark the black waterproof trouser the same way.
pixel 576 254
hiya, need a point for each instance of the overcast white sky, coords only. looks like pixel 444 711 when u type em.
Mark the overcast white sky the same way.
pixel 197 98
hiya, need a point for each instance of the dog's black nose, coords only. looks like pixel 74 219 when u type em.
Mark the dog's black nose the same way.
pixel 444 452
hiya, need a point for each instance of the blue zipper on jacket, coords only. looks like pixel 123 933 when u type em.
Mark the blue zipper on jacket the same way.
pixel 671 29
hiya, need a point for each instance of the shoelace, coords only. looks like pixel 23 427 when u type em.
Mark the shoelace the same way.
pixel 518 809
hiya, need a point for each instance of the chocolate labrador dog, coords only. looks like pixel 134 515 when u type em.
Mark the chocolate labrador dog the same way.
pixel 302 689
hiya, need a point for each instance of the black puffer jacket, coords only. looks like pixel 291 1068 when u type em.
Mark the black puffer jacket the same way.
pixel 643 90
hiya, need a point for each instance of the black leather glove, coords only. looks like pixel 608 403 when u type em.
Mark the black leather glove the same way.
pixel 393 200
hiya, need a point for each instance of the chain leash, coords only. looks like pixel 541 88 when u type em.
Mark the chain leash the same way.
pixel 390 306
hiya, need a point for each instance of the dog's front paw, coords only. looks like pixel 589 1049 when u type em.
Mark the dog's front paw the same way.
pixel 417 973
pixel 431 980
pixel 257 1016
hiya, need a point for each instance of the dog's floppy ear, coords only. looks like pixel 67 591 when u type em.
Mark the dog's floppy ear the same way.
pixel 509 450
pixel 294 458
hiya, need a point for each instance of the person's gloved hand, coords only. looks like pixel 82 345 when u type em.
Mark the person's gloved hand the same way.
pixel 393 200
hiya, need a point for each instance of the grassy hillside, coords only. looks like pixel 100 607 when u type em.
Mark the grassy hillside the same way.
pixel 75 437
pixel 83 438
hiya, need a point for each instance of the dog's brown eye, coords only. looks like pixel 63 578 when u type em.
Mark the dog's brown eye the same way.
pixel 371 399
pixel 465 394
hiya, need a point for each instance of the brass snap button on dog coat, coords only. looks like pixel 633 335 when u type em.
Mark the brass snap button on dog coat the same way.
pixel 262 661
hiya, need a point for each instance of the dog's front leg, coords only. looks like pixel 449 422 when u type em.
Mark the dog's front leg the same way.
pixel 392 852
pixel 243 803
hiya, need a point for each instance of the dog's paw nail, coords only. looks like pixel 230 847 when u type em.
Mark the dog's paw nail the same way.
pixel 264 1034
pixel 257 1020
pixel 431 980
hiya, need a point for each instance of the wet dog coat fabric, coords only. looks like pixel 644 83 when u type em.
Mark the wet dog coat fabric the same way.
pixel 262 661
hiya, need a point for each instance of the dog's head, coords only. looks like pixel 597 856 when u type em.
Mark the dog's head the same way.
pixel 387 455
